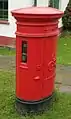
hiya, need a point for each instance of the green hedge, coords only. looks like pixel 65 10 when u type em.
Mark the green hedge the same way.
pixel 66 20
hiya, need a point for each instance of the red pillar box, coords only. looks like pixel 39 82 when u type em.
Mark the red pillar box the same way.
pixel 36 42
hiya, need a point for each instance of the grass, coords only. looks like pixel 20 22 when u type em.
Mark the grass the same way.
pixel 7 51
pixel 61 108
pixel 64 49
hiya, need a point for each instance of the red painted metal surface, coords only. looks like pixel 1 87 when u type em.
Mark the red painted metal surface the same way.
pixel 39 27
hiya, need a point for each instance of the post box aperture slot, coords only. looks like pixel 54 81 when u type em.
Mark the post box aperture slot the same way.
pixel 24 51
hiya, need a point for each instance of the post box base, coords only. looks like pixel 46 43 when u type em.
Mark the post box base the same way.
pixel 24 107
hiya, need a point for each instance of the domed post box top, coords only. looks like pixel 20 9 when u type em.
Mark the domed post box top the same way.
pixel 39 12
pixel 39 17
pixel 36 39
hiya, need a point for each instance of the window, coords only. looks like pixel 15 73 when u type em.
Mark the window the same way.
pixel 3 9
pixel 35 2
pixel 54 3
pixel 24 51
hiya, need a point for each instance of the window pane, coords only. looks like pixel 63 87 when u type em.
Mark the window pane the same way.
pixel 3 9
pixel 5 5
pixel 1 13
pixel 54 3
pixel 5 17
pixel 6 13
pixel 35 2
pixel 1 5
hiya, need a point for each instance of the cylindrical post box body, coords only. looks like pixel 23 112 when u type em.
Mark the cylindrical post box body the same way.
pixel 36 42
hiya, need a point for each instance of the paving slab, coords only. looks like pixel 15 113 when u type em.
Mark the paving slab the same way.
pixel 63 74
pixel 65 89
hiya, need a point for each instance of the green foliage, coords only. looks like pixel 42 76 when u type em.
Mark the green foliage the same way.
pixel 64 49
pixel 7 51
pixel 67 17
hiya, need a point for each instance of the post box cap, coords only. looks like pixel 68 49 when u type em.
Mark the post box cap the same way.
pixel 37 11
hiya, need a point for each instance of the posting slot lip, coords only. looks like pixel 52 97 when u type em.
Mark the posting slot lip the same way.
pixel 23 66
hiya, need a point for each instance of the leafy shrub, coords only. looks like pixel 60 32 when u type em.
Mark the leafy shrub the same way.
pixel 66 19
